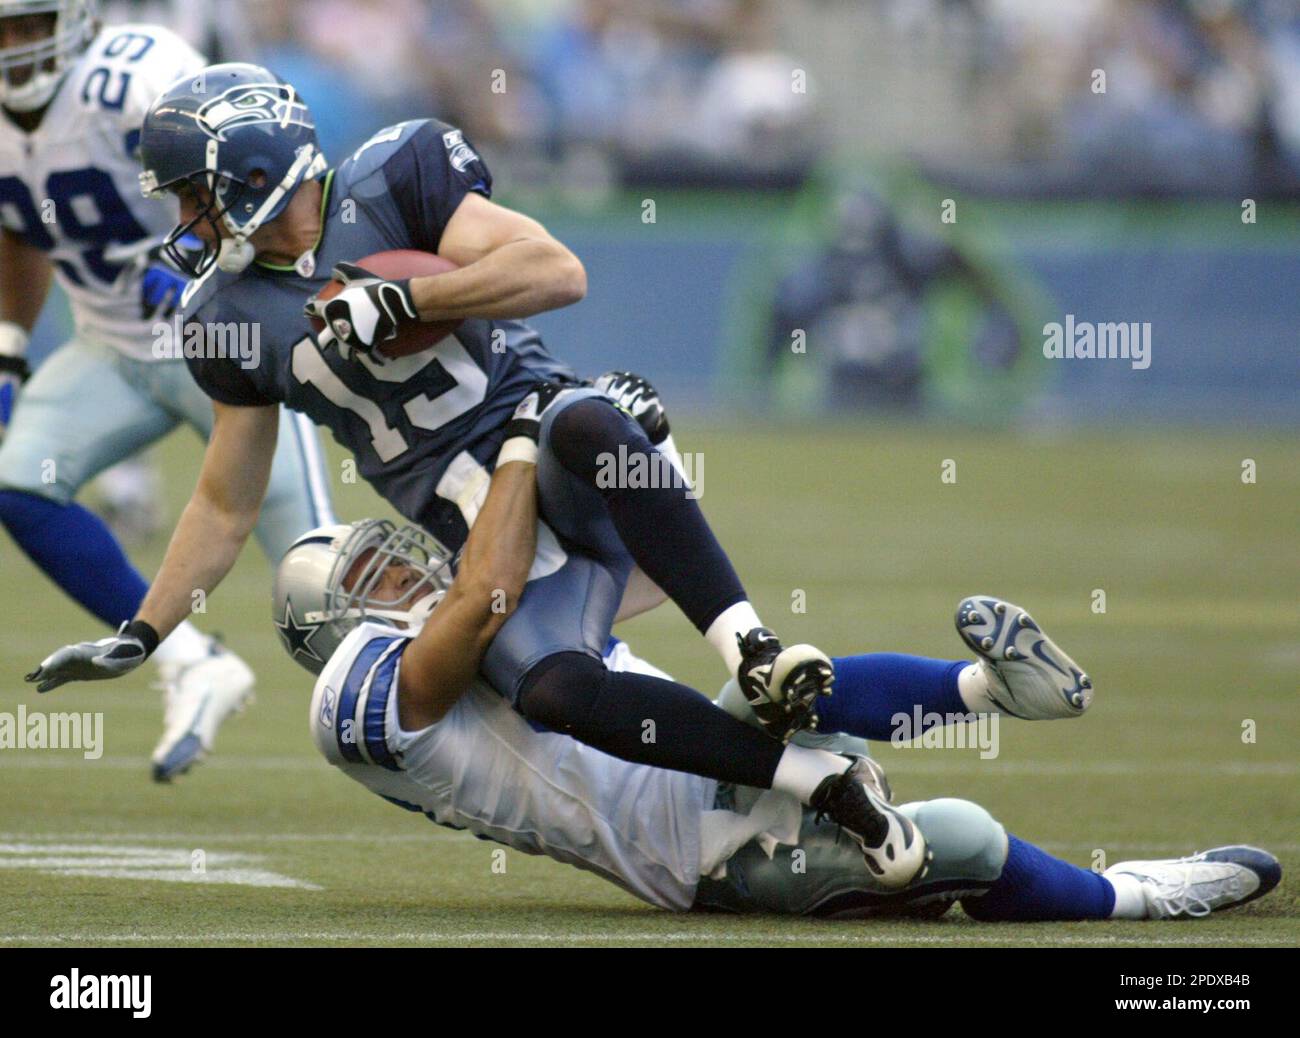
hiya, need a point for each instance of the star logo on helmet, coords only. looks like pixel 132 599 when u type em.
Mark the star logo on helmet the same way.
pixel 297 637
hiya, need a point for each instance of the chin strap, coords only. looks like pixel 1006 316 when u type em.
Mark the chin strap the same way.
pixel 235 255
pixel 36 93
pixel 13 339
pixel 423 609
pixel 236 252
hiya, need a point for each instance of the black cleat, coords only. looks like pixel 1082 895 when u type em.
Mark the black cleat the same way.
pixel 893 848
pixel 782 685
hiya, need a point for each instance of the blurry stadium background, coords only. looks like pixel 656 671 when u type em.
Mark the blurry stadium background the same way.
pixel 758 190
pixel 798 155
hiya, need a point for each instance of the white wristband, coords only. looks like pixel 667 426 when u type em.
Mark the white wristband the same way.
pixel 517 448
pixel 13 339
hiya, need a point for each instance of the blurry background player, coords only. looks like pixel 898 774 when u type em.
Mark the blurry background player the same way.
pixel 865 299
pixel 73 96
pixel 397 643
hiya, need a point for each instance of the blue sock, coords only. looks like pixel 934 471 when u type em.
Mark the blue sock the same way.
pixel 1034 887
pixel 872 688
pixel 77 551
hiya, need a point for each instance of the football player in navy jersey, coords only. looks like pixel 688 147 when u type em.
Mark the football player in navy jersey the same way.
pixel 238 147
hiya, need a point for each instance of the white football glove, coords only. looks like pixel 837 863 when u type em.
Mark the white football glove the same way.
pixel 91 661
pixel 368 311
pixel 639 399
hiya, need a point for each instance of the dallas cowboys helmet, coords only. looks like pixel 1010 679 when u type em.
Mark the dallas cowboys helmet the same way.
pixel 72 28
pixel 325 585
pixel 244 136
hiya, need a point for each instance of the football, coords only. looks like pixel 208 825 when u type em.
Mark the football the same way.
pixel 392 265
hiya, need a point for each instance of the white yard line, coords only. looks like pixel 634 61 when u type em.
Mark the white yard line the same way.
pixel 133 862
pixel 195 839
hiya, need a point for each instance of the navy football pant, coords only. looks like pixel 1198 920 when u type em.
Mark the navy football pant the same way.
pixel 547 657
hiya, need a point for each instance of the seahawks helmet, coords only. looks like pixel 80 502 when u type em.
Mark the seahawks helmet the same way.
pixel 327 581
pixel 242 134
pixel 72 27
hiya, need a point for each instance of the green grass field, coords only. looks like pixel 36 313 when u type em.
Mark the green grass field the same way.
pixel 1201 635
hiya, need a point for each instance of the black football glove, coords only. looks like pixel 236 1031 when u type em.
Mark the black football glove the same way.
pixel 527 419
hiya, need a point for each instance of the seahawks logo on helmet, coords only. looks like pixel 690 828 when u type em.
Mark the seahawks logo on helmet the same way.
pixel 250 104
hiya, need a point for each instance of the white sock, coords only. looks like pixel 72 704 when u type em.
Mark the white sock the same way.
pixel 1130 902
pixel 669 450
pixel 801 770
pixel 735 619
pixel 184 645
pixel 973 687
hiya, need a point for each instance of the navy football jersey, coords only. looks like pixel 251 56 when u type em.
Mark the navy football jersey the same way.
pixel 407 419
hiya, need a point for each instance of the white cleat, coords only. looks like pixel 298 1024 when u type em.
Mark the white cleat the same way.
pixel 1182 888
pixel 1028 675
pixel 782 685
pixel 199 697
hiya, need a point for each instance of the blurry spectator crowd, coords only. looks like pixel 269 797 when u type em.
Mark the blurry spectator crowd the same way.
pixel 1200 96
pixel 688 90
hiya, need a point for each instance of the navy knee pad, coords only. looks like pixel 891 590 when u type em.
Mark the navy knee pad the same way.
pixel 583 431
pixel 562 690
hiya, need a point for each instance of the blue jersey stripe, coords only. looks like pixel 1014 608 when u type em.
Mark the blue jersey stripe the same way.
pixel 381 684
pixel 345 729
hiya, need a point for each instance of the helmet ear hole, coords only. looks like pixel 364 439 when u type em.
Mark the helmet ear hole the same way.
pixel 257 179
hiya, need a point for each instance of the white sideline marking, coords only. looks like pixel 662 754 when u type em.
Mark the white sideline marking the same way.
pixel 872 936
pixel 1177 850
pixel 195 839
pixel 910 761
pixel 162 864
pixel 236 877
pixel 141 763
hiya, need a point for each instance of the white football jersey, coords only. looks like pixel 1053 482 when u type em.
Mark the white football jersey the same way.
pixel 486 769
pixel 72 188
